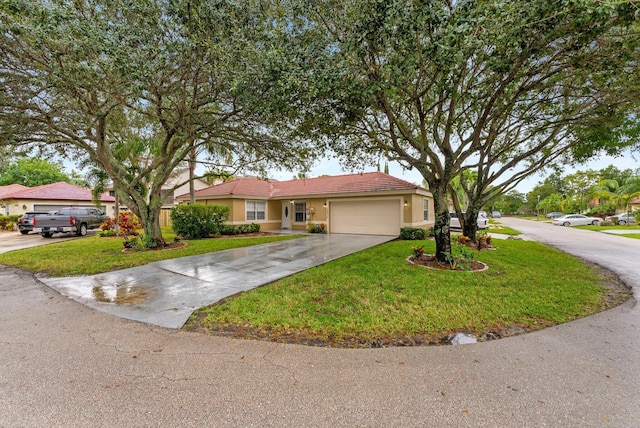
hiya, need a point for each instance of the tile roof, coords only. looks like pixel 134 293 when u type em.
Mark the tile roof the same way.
pixel 239 186
pixel 7 191
pixel 59 191
pixel 330 185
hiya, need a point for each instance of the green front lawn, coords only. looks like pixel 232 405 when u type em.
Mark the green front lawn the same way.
pixel 375 297
pixel 371 298
pixel 614 227
pixel 631 235
pixel 93 254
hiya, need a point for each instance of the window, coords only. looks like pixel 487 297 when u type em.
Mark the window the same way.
pixel 300 209
pixel 425 209
pixel 256 210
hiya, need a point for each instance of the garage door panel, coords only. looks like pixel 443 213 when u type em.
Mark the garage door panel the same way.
pixel 381 217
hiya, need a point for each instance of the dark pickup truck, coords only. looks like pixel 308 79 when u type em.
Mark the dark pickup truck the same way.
pixel 69 220
pixel 25 223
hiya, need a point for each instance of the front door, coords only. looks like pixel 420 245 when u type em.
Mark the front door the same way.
pixel 286 215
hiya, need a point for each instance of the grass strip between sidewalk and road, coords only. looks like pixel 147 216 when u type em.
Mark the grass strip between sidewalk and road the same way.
pixel 633 227
pixel 375 298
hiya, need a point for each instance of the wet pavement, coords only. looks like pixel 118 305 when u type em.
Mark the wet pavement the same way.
pixel 11 241
pixel 165 293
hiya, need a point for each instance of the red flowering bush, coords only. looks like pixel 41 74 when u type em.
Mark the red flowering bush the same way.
pixel 128 224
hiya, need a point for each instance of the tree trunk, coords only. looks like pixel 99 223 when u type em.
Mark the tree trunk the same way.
pixel 116 210
pixel 192 168
pixel 152 228
pixel 152 224
pixel 441 229
pixel 149 215
pixel 470 227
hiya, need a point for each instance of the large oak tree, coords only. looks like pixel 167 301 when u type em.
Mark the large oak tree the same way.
pixel 502 88
pixel 124 86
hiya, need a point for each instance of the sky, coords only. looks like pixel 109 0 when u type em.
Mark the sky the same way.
pixel 329 166
pixel 332 167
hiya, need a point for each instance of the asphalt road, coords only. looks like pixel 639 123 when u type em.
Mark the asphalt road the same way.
pixel 63 364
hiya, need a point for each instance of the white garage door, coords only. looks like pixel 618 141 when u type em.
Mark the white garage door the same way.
pixel 376 217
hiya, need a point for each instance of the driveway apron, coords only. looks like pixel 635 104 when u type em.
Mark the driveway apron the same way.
pixel 165 293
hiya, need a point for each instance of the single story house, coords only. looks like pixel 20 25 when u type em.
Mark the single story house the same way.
pixel 368 203
pixel 5 196
pixel 50 197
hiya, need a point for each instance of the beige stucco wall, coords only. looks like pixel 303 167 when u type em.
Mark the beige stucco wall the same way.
pixel 413 212
pixel 317 212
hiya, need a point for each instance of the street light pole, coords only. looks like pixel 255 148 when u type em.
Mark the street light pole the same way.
pixel 538 209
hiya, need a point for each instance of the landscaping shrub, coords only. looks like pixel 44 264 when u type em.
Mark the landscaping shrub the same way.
pixel 142 243
pixel 412 233
pixel 7 222
pixel 232 229
pixel 128 224
pixel 198 221
pixel 317 228
pixel 133 243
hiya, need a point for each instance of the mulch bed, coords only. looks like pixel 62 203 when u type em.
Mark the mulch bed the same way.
pixel 429 261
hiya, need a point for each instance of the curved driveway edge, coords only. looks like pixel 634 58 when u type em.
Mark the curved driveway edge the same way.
pixel 165 293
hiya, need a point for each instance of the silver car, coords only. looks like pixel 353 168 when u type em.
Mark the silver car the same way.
pixel 624 218
pixel 576 220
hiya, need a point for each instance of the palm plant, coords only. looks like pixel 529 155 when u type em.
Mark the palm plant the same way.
pixel 627 192
pixel 605 192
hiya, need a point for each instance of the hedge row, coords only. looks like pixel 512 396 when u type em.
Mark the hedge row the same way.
pixel 201 221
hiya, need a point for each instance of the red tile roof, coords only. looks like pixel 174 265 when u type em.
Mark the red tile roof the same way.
pixel 60 191
pixel 239 186
pixel 330 185
pixel 7 191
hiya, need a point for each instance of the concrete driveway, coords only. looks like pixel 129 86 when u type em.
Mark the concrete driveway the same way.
pixel 11 241
pixel 165 293
pixel 64 364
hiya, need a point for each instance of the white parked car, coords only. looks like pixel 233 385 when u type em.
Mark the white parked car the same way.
pixel 576 220
pixel 454 222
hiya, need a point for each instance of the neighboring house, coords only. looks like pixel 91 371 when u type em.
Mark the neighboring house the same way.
pixel 5 196
pixel 52 197
pixel 179 178
pixel 369 203
pixel 635 204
